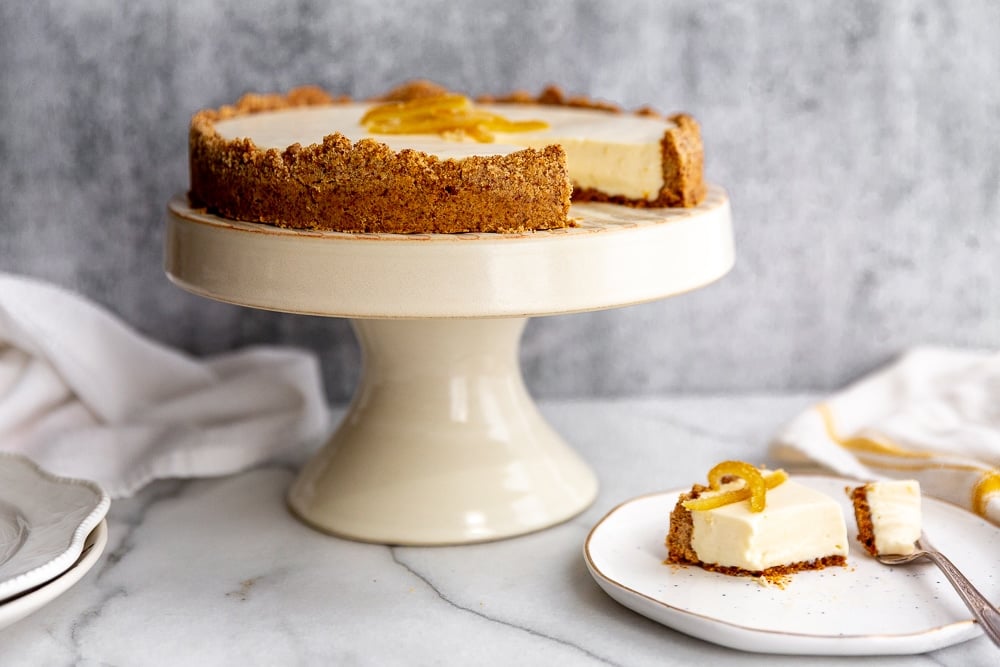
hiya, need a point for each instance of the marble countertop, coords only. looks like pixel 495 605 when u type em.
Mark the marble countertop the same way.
pixel 217 572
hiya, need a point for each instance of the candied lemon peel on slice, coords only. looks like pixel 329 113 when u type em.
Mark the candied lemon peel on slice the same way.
pixel 452 116
pixel 755 487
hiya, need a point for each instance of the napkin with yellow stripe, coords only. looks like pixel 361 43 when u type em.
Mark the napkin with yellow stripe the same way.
pixel 932 415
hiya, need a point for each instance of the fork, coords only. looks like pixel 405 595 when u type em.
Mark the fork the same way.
pixel 985 613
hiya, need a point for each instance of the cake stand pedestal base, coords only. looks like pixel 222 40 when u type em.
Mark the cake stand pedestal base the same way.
pixel 442 443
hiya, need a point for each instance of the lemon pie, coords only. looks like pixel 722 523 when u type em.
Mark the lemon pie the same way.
pixel 422 159
pixel 888 516
pixel 750 522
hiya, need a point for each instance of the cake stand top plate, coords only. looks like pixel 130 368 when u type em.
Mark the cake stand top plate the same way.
pixel 615 256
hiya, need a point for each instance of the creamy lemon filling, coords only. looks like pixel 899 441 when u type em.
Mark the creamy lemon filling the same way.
pixel 798 525
pixel 895 515
pixel 618 154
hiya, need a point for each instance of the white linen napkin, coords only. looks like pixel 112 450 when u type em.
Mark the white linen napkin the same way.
pixel 84 395
pixel 932 415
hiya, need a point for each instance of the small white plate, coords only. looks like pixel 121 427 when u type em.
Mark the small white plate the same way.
pixel 15 609
pixel 863 609
pixel 44 521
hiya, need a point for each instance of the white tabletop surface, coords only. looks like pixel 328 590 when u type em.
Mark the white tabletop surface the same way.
pixel 217 572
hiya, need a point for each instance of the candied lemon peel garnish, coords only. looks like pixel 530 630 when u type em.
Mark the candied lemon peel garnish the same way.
pixel 755 487
pixel 452 116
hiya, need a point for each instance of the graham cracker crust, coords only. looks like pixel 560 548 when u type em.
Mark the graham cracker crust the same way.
pixel 863 517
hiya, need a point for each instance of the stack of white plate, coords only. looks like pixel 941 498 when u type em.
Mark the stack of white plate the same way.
pixel 52 531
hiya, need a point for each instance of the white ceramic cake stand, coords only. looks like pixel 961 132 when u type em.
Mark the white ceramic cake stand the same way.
pixel 442 443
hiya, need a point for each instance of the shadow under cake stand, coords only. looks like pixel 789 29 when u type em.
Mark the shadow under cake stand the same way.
pixel 442 443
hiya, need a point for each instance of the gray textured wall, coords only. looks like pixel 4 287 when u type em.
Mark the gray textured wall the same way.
pixel 859 142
